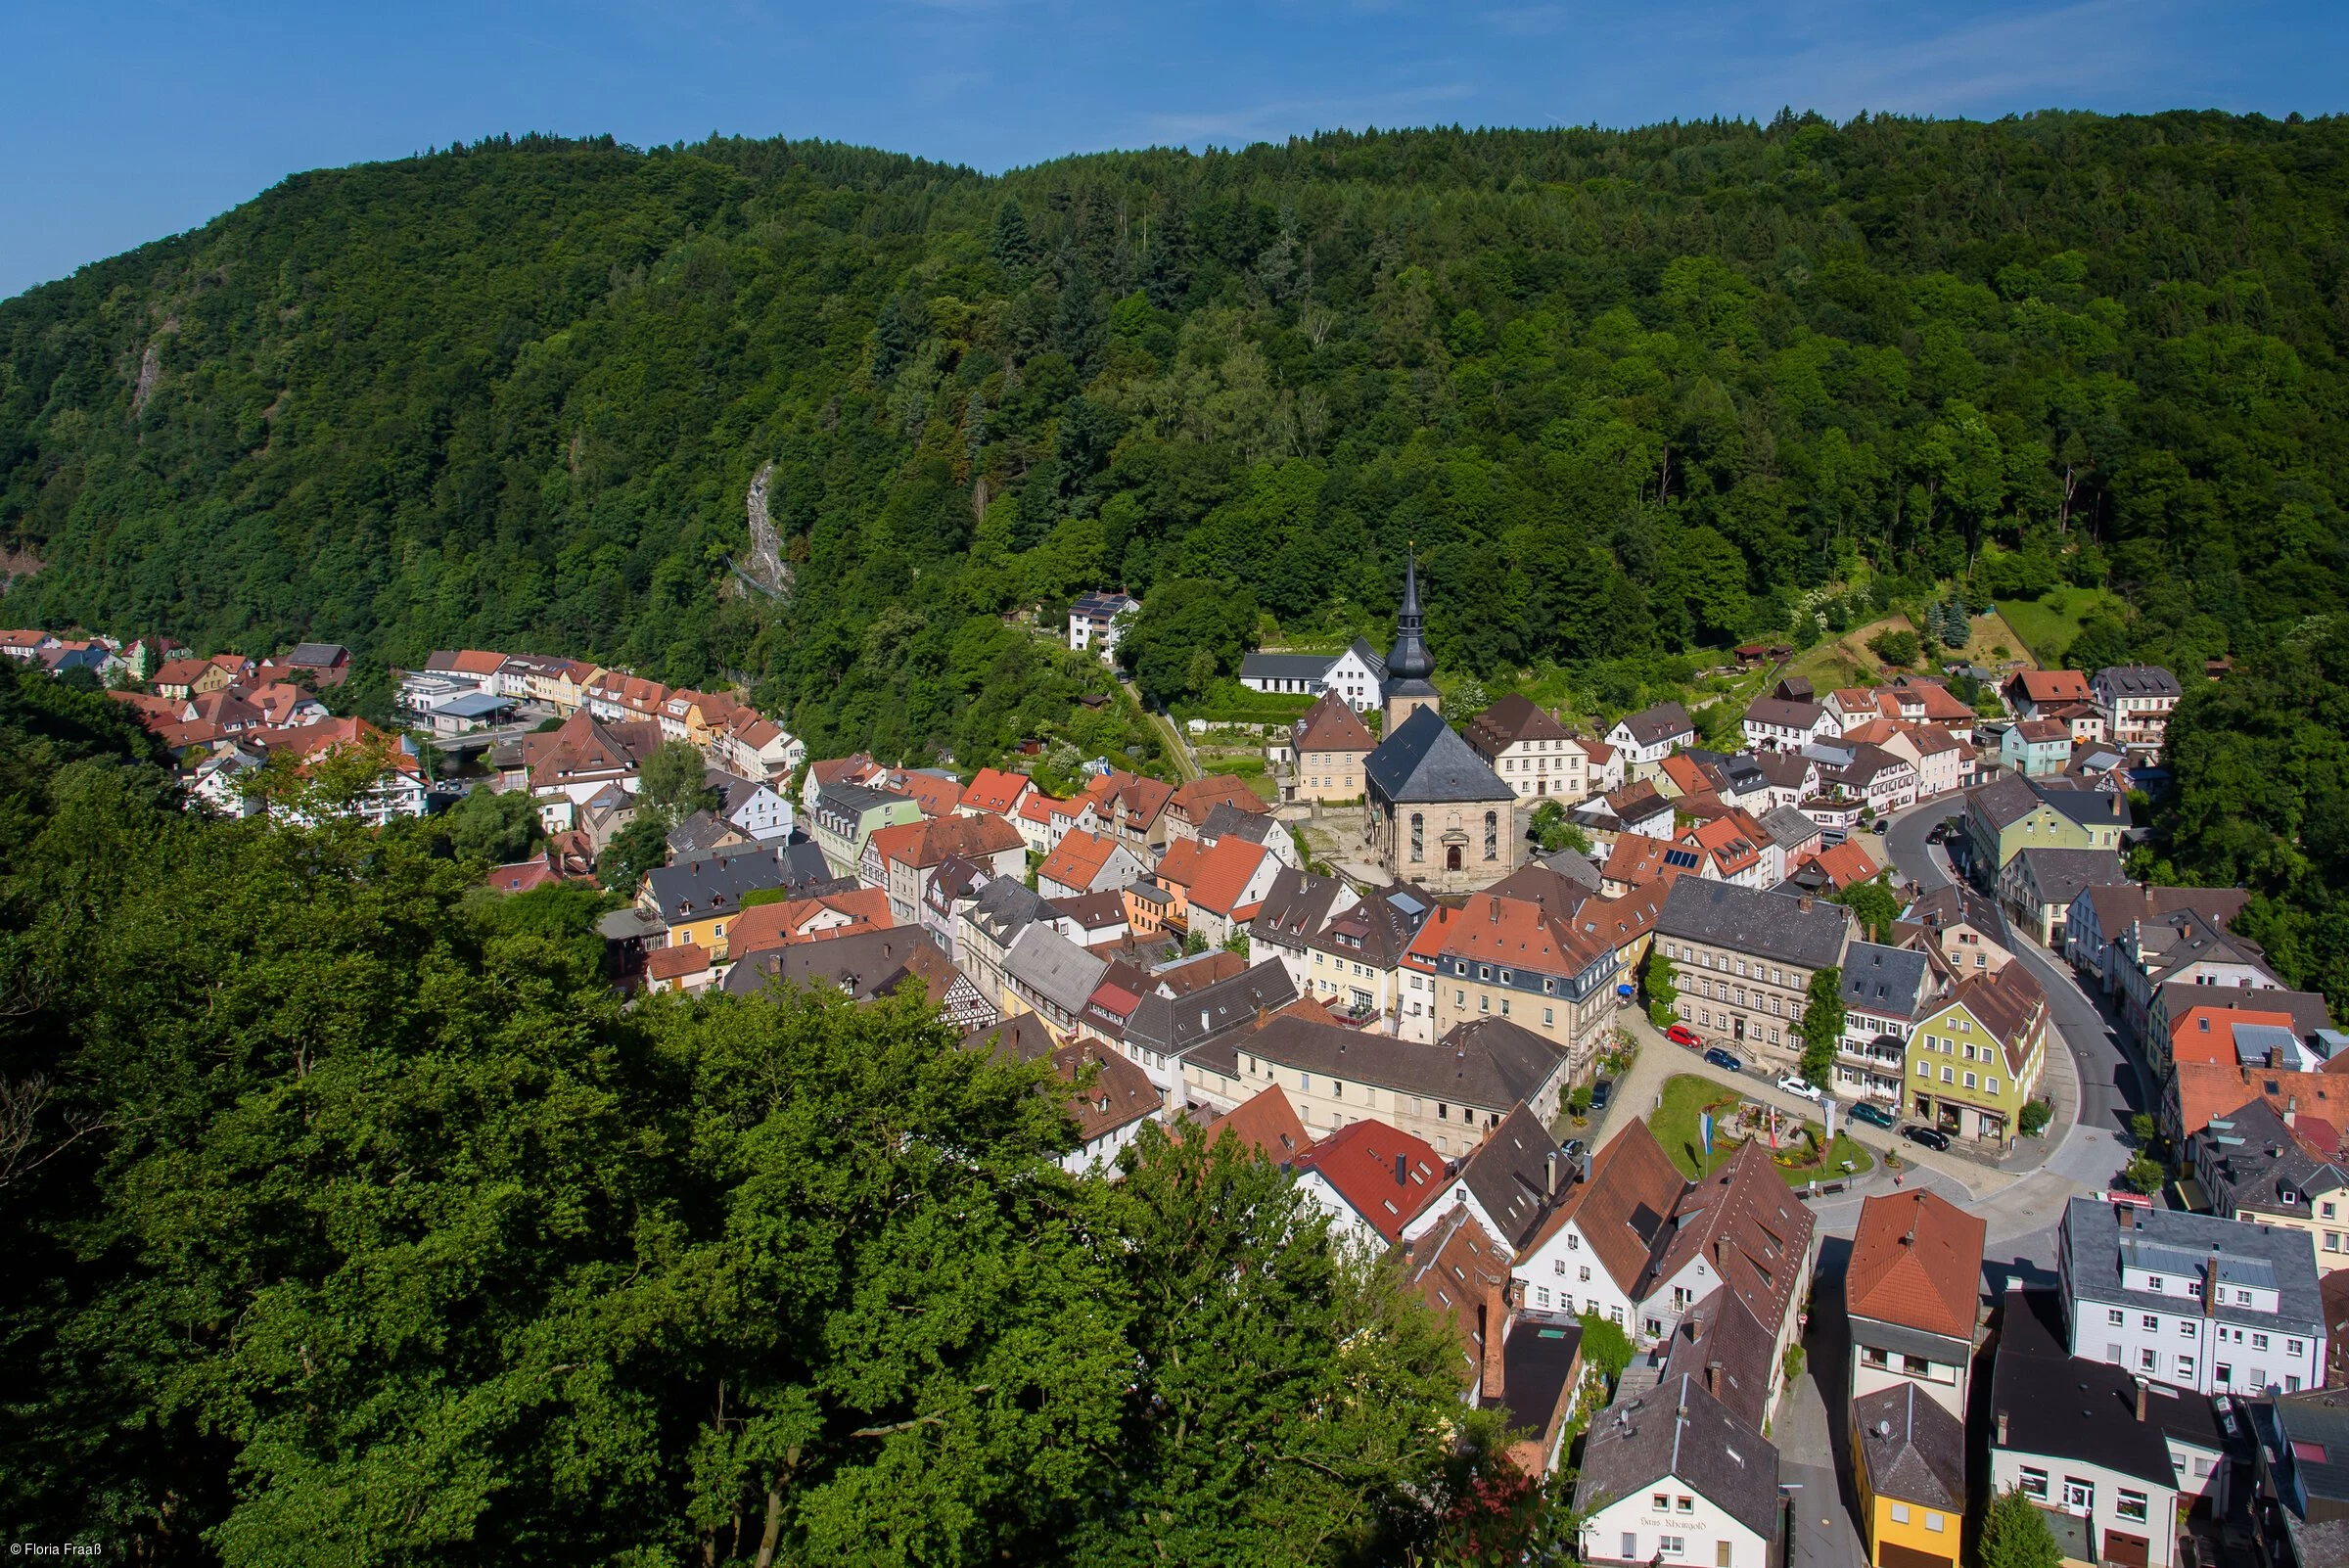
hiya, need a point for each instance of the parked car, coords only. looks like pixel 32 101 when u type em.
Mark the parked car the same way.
pixel 1724 1060
pixel 1600 1092
pixel 1792 1085
pixel 1930 1137
pixel 1873 1115
pixel 1574 1150
pixel 1682 1035
pixel 1879 825
pixel 1941 831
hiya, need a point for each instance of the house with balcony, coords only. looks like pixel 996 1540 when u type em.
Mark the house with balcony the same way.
pixel 2136 701
pixel 1886 990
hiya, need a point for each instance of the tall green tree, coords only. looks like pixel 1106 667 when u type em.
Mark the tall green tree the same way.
pixel 2015 1536
pixel 1822 1026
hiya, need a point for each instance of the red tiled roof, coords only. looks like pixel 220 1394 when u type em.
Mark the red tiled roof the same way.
pixel 675 963
pixel 1203 794
pixel 781 925
pixel 1634 1188
pixel 1267 1124
pixel 2207 1033
pixel 1916 1260
pixel 1846 864
pixel 1330 725
pixel 2205 1090
pixel 1224 875
pixel 1360 1160
pixel 2055 686
pixel 994 789
pixel 1178 867
pixel 1077 860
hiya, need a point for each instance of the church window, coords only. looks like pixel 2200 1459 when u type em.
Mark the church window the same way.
pixel 1418 836
pixel 1491 835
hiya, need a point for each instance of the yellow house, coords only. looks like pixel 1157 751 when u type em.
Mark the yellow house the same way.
pixel 1909 1468
pixel 1975 1061
pixel 700 900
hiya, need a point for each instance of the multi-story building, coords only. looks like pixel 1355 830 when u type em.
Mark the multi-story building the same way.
pixel 2013 814
pixel 1775 725
pixel 1097 620
pixel 845 815
pixel 1745 960
pixel 2037 888
pixel 1648 736
pixel 1961 925
pixel 1976 1058
pixel 1533 753
pixel 1513 958
pixel 2104 913
pixel 1436 814
pixel 1353 674
pixel 2217 1306
pixel 1355 965
pixel 1912 1290
pixel 1293 910
pixel 1885 992
pixel 2137 701
pixel 1908 1470
pixel 2254 1168
pixel 1329 745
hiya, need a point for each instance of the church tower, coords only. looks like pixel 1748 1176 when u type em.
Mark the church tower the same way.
pixel 1409 662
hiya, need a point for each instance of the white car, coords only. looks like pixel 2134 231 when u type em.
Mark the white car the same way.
pixel 1796 1086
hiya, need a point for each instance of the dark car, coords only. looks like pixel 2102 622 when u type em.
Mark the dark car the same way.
pixel 1724 1060
pixel 1873 1115
pixel 1600 1092
pixel 1880 825
pixel 1930 1137
pixel 1941 831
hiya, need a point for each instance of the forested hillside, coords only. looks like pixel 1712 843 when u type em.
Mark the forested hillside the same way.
pixel 1630 393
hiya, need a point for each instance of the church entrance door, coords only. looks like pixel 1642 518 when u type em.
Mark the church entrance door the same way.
pixel 1451 857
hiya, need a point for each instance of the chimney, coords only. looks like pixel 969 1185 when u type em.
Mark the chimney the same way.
pixel 2291 1106
pixel 1549 1174
pixel 1712 1379
pixel 1805 902
pixel 1260 1015
pixel 2210 1286
pixel 1402 1162
pixel 2001 1429
pixel 2141 1398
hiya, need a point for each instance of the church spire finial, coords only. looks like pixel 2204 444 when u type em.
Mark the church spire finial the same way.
pixel 1409 659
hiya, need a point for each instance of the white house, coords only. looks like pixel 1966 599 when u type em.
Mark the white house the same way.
pixel 1372 1179
pixel 1096 620
pixel 1772 723
pixel 1648 736
pixel 1356 673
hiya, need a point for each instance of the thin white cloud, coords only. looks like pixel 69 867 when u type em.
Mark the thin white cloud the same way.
pixel 1283 115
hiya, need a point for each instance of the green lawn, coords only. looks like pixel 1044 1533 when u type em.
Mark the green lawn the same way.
pixel 1674 1126
pixel 2049 624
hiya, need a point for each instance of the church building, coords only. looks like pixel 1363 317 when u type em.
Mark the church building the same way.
pixel 1436 813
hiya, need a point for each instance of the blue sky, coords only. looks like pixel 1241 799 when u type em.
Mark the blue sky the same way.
pixel 126 121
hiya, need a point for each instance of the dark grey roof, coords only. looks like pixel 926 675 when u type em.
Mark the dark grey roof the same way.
pixel 853 801
pixel 1956 904
pixel 1004 907
pixel 2249 1157
pixel 2061 874
pixel 1536 1360
pixel 2005 799
pixel 2316 1429
pixel 1576 867
pixel 2136 680
pixel 1426 760
pixel 2090 808
pixel 1512 1171
pixel 1284 667
pixel 804 868
pixel 714 883
pixel 1256 827
pixel 700 834
pixel 1783 715
pixel 1173 1025
pixel 1878 979
pixel 864 964
pixel 2269 1255
pixel 1361 649
pixel 1661 723
pixel 2061 1406
pixel 1676 1428
pixel 1916 1450
pixel 1295 907
pixel 1768 925
pixel 1053 967
pixel 1376 930
pixel 1491 1064
pixel 317 655
pixel 1721 1330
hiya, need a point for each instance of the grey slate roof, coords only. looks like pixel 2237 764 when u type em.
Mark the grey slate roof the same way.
pixel 1285 666
pixel 1053 967
pixel 2313 1457
pixel 2061 874
pixel 1768 925
pixel 864 964
pixel 2005 799
pixel 1490 1062
pixel 1295 907
pixel 1173 1025
pixel 1004 907
pixel 1426 762
pixel 703 833
pixel 1510 1174
pixel 2090 808
pixel 2094 1244
pixel 853 801
pixel 1786 826
pixel 1536 1360
pixel 2063 1407
pixel 1877 979
pixel 317 655
pixel 1916 1449
pixel 1677 1429
pixel 804 868
pixel 2136 680
pixel 1721 1328
pixel 1376 931
pixel 1651 725
pixel 1783 715
pixel 1576 867
pixel 715 884
pixel 1256 827
pixel 2253 1159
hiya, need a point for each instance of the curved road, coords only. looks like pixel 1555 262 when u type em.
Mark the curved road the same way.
pixel 2113 1082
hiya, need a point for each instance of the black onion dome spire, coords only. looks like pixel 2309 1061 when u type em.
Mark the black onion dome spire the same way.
pixel 1409 659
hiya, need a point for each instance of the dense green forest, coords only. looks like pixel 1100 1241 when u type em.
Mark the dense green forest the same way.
pixel 1631 392
pixel 350 1219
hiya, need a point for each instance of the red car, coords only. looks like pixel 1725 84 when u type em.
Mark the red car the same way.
pixel 1682 1035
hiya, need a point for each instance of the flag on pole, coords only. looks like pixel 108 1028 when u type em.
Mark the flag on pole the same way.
pixel 1830 1122
pixel 1704 1123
